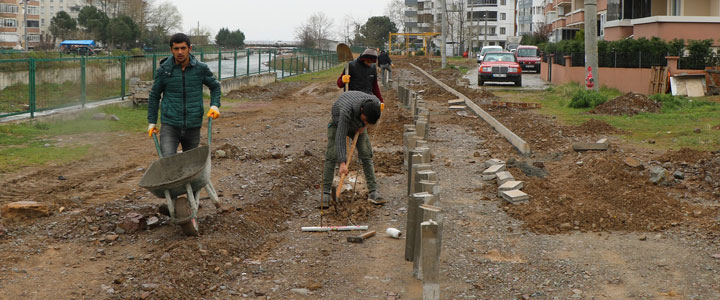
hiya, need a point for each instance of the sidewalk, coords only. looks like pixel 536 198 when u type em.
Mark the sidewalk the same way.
pixel 68 109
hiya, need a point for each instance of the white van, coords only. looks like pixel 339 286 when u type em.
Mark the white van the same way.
pixel 487 49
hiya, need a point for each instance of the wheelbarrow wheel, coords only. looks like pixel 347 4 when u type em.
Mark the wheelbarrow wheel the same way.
pixel 183 210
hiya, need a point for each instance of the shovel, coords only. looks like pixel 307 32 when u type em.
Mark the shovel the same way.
pixel 345 55
pixel 338 190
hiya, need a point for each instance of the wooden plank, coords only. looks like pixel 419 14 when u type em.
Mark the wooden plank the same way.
pixel 513 138
pixel 590 146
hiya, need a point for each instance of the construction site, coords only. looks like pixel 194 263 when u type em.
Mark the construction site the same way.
pixel 488 196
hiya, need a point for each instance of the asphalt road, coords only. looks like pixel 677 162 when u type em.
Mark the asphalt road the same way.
pixel 530 81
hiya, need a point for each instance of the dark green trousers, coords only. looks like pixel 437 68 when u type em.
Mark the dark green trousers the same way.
pixel 365 154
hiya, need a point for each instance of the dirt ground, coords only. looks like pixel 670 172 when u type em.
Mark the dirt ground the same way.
pixel 595 228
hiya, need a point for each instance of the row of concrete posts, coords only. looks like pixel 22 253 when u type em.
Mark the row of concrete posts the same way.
pixel 424 215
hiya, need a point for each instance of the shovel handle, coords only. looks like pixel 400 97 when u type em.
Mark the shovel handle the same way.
pixel 157 144
pixel 347 72
pixel 209 131
pixel 347 161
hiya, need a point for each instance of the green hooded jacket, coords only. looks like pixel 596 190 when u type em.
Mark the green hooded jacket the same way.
pixel 182 93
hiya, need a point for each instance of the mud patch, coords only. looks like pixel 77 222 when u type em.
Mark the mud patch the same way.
pixel 389 163
pixel 595 126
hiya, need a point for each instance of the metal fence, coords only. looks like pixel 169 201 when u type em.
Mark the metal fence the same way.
pixel 30 85
pixel 614 60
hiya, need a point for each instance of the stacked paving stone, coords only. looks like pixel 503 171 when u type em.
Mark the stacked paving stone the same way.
pixel 509 189
pixel 424 218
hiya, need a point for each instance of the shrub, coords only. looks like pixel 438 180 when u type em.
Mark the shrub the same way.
pixel 419 53
pixel 671 103
pixel 587 98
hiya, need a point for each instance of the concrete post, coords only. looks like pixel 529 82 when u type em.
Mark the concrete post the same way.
pixel 411 225
pixel 421 199
pixel 413 183
pixel 421 128
pixel 430 260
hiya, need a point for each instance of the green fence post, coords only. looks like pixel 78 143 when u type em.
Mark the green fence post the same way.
pixel 259 61
pixel 31 87
pixel 123 62
pixel 235 64
pixel 247 55
pixel 282 68
pixel 219 64
pixel 202 55
pixel 154 65
pixel 83 90
pixel 290 68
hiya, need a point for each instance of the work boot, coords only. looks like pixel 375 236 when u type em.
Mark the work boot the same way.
pixel 163 209
pixel 375 198
pixel 324 202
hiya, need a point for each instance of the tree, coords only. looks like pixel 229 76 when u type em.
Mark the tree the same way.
pixel 94 22
pixel 61 25
pixel 347 29
pixel 122 30
pixel 395 10
pixel 314 31
pixel 230 39
pixel 375 31
pixel 163 17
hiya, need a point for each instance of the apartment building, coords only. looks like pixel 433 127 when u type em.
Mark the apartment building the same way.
pixel 567 17
pixel 49 8
pixel 17 20
pixel 666 19
pixel 619 19
pixel 531 16
pixel 487 22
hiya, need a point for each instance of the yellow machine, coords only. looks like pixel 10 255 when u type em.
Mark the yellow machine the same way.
pixel 424 36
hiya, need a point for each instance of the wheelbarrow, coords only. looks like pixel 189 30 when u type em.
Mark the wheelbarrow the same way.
pixel 185 173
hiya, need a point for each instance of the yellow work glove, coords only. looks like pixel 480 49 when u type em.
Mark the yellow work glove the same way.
pixel 213 112
pixel 382 106
pixel 151 129
pixel 346 79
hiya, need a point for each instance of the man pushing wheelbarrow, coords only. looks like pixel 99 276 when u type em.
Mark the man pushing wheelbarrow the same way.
pixel 180 79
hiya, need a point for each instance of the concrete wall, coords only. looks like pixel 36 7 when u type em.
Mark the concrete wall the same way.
pixel 624 79
pixel 231 84
pixel 696 8
pixel 93 73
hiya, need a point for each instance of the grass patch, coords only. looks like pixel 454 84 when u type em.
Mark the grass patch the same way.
pixel 24 144
pixel 329 74
pixel 673 128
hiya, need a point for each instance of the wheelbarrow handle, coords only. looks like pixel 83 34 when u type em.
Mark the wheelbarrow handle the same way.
pixel 209 131
pixel 157 144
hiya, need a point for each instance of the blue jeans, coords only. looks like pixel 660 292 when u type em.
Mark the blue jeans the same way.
pixel 171 137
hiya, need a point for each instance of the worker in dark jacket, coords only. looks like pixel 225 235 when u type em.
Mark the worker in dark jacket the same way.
pixel 351 113
pixel 385 62
pixel 179 80
pixel 363 75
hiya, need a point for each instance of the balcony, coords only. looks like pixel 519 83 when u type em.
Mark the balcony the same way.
pixel 482 3
pixel 411 13
pixel 576 17
pixel 563 2
pixel 665 27
pixel 558 23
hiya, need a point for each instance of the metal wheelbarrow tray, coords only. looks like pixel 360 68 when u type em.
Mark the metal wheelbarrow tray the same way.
pixel 183 173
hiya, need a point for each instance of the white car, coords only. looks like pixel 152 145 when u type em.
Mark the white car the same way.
pixel 487 49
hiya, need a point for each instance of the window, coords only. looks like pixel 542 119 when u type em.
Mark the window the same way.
pixel 33 38
pixel 8 23
pixel 42 9
pixel 60 9
pixel 502 30
pixel 52 9
pixel 503 2
pixel 42 22
pixel 33 23
pixel 675 7
pixel 33 10
pixel 8 8
pixel 502 16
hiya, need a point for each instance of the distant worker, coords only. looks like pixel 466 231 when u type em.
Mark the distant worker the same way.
pixel 352 112
pixel 385 63
pixel 363 75
pixel 180 80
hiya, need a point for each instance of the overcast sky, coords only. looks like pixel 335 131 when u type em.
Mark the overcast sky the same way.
pixel 271 19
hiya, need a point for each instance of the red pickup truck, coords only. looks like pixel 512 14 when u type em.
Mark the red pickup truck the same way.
pixel 529 58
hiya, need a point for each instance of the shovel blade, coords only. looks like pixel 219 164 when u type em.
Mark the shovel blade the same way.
pixel 344 53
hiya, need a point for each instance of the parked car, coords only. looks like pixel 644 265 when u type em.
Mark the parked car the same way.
pixel 79 50
pixel 529 58
pixel 487 49
pixel 500 67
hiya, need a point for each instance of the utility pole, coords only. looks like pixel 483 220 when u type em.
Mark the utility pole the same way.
pixel 591 49
pixel 25 2
pixel 444 34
